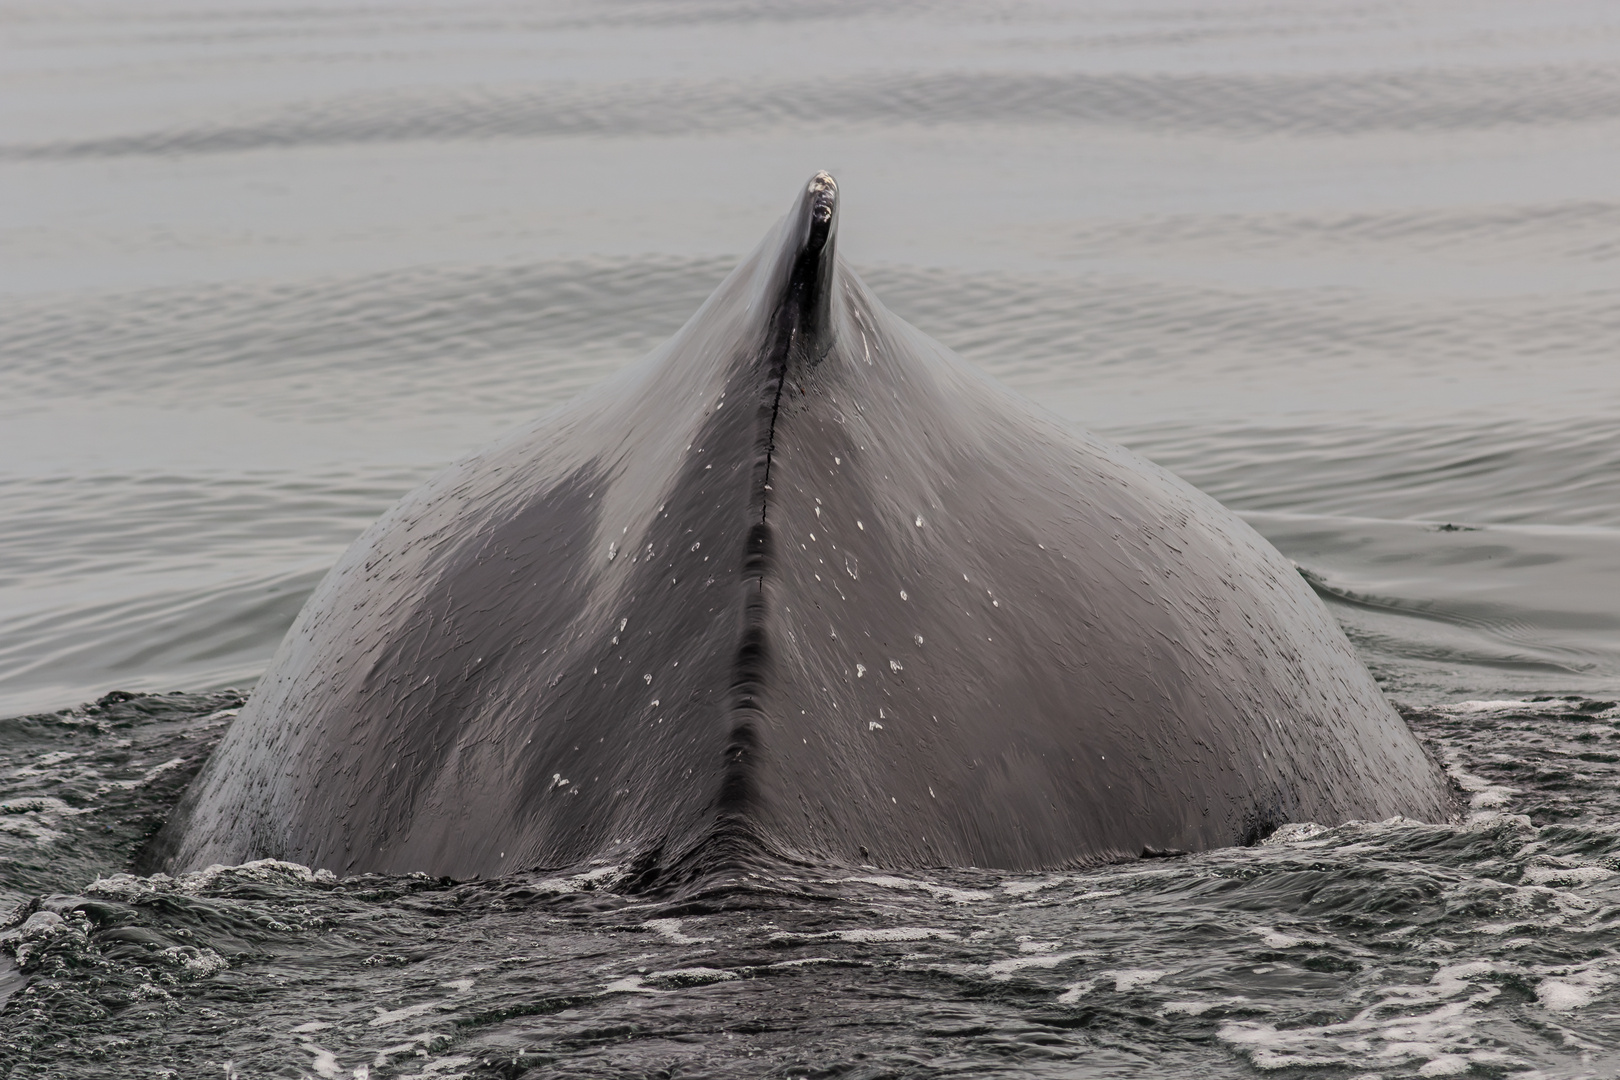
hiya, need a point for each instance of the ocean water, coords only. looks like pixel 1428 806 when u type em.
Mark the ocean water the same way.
pixel 1351 267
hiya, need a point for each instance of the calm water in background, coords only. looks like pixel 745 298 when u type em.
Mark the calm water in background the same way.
pixel 1353 268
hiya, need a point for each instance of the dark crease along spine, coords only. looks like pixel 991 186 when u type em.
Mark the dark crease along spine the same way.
pixel 799 333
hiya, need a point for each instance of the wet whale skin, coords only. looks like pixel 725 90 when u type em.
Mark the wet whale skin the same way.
pixel 802 584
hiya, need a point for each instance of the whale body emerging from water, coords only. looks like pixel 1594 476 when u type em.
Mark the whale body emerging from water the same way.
pixel 803 583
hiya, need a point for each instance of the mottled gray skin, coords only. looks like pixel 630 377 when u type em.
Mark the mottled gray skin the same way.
pixel 802 583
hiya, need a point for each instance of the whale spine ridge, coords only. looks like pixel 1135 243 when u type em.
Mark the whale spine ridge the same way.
pixel 801 585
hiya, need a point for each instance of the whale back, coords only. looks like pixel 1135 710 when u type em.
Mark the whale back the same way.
pixel 802 582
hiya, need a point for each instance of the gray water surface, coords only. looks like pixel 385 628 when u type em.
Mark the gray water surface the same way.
pixel 1353 268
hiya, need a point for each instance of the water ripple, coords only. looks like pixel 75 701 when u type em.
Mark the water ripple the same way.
pixel 1450 100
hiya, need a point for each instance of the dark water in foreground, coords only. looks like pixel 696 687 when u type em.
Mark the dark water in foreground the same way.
pixel 1372 949
pixel 1351 267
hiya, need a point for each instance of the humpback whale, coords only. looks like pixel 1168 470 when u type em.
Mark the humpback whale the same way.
pixel 801 584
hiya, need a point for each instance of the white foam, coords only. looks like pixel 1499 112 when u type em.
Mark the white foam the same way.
pixel 422 1043
pixel 899 933
pixel 874 935
pixel 1099 894
pixel 256 870
pixel 1568 988
pixel 1295 832
pixel 630 984
pixel 37 819
pixel 1484 820
pixel 1485 799
pixel 806 961
pixel 1465 708
pixel 394 1016
pixel 1566 875
pixel 1434 1026
pixel 325 1063
pixel 406 1047
pixel 603 877
pixel 1024 888
pixel 671 929
pixel 36 804
pixel 198 963
pixel 126 886
pixel 1002 970
pixel 1536 898
pixel 1199 1008
pixel 1075 991
pixel 1128 979
pixel 1499 928
pixel 941 892
pixel 1446 1065
pixel 1277 939
pixel 147 777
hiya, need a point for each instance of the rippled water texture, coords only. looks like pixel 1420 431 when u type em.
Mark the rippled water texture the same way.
pixel 1352 268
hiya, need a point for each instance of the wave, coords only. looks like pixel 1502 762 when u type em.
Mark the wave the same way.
pixel 1232 104
pixel 1578 230
pixel 1562 471
pixel 154 582
pixel 1437 607
pixel 509 341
